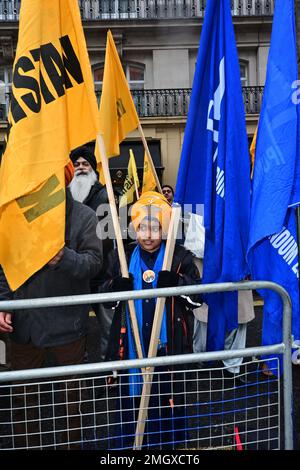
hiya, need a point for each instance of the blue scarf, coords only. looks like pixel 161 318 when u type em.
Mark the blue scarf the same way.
pixel 136 268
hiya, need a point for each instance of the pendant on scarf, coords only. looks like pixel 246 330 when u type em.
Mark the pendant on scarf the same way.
pixel 148 276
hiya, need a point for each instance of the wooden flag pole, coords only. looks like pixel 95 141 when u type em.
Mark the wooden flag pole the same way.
pixel 119 240
pixel 158 316
pixel 136 190
pixel 149 157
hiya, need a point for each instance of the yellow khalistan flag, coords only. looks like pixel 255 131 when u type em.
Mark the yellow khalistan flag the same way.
pixel 101 173
pixel 53 110
pixel 118 116
pixel 131 182
pixel 149 183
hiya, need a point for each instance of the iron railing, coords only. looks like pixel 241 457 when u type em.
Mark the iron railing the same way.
pixel 252 96
pixel 167 102
pixel 147 9
pixel 175 102
pixel 283 348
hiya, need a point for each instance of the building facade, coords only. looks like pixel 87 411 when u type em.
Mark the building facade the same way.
pixel 158 42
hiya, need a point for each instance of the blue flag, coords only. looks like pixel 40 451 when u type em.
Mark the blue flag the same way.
pixel 273 250
pixel 215 166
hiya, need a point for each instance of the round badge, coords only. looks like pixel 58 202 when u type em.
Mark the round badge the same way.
pixel 148 276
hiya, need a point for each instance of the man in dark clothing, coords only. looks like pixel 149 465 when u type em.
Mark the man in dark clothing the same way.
pixel 168 192
pixel 86 188
pixel 59 331
pixel 166 421
pixel 69 273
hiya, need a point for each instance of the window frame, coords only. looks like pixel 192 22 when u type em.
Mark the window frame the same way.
pixel 126 67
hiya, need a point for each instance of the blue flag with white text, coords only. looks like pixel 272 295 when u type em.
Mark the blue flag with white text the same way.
pixel 273 249
pixel 215 166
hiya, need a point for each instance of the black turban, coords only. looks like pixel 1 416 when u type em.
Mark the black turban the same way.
pixel 85 153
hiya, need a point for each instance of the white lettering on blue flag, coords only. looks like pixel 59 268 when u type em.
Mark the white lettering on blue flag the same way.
pixel 214 154
pixel 220 186
pixel 286 246
pixel 215 105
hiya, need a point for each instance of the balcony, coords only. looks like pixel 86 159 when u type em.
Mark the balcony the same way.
pixel 147 9
pixel 165 103
pixel 175 102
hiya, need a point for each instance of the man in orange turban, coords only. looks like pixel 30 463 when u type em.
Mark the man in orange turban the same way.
pixel 151 217
pixel 152 205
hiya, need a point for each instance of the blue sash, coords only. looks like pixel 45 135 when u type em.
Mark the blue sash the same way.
pixel 136 268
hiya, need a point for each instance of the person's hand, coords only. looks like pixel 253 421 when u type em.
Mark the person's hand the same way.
pixel 122 284
pixel 167 279
pixel 56 259
pixel 5 322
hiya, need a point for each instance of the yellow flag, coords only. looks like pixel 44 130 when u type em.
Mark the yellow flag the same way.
pixel 131 182
pixel 149 183
pixel 53 110
pixel 101 174
pixel 118 116
pixel 252 150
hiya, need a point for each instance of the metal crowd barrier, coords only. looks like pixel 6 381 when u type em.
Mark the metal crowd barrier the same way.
pixel 90 405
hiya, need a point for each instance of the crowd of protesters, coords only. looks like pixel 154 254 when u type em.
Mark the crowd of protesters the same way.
pixel 89 263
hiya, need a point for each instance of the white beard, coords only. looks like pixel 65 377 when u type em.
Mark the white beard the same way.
pixel 80 185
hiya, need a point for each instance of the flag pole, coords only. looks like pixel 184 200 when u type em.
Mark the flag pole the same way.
pixel 157 321
pixel 149 157
pixel 136 190
pixel 119 240
pixel 134 172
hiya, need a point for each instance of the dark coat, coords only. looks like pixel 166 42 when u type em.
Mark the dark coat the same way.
pixel 55 326
pixel 96 196
pixel 178 309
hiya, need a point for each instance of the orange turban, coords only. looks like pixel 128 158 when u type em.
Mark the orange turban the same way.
pixel 69 173
pixel 152 205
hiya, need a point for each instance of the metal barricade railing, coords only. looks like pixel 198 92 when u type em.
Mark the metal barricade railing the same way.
pixel 67 396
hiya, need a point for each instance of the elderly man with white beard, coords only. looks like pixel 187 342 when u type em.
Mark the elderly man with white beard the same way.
pixel 86 188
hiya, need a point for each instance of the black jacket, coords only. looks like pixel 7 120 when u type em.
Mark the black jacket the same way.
pixel 96 196
pixel 55 326
pixel 177 308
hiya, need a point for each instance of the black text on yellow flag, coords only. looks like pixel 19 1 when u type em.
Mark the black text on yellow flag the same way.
pixel 52 90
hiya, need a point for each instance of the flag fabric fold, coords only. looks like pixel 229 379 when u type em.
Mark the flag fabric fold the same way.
pixel 149 183
pixel 52 90
pixel 252 151
pixel 131 183
pixel 118 116
pixel 272 250
pixel 215 166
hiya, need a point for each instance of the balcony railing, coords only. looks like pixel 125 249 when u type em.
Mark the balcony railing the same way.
pixel 252 96
pixel 175 102
pixel 167 102
pixel 147 9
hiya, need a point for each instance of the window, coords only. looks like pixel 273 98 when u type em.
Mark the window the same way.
pixel 5 88
pixel 135 75
pixel 244 72
pixel 98 74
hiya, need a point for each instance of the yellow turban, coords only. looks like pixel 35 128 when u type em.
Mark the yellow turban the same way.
pixel 152 205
